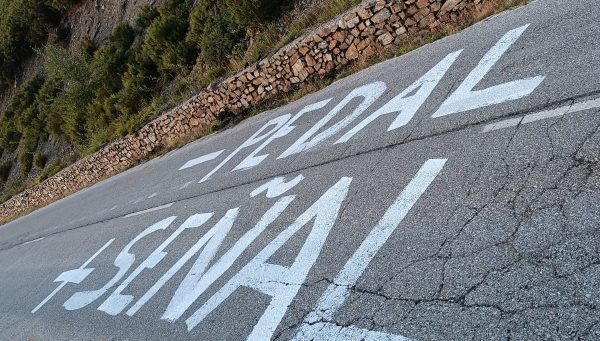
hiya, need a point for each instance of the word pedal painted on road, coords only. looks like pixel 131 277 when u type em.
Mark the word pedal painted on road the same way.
pixel 281 283
pixel 404 105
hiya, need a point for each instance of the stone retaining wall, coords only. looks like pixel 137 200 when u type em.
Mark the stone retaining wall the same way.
pixel 358 33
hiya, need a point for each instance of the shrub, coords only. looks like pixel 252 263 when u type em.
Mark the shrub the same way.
pixel 25 159
pixel 255 13
pixel 76 86
pixel 164 43
pixel 145 17
pixel 5 169
pixel 24 25
pixel 219 38
pixel 52 169
pixel 39 160
pixel 9 135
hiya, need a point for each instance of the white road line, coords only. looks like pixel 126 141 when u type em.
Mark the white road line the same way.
pixel 502 124
pixel 33 241
pixel 152 195
pixel 543 115
pixel 331 331
pixel 201 159
pixel 149 210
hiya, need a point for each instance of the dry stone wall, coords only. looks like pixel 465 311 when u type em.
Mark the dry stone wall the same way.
pixel 358 33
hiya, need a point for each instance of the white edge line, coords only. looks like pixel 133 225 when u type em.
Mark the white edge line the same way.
pixel 542 115
pixel 150 210
pixel 33 241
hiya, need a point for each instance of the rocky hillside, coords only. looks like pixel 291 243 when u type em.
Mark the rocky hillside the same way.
pixel 84 73
pixel 76 22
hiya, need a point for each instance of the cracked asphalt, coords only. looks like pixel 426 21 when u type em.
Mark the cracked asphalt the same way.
pixel 502 244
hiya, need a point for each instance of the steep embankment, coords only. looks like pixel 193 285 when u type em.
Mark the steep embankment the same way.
pixel 361 33
pixel 28 153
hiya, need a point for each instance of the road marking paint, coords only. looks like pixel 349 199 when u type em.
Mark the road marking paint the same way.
pixel 502 124
pixel 201 159
pixel 138 200
pixel 405 104
pixel 221 225
pixel 33 241
pixel 252 160
pixel 465 98
pixel 199 278
pixel 185 185
pixel 152 195
pixel 125 259
pixel 337 292
pixel 149 210
pixel 586 105
pixel 277 186
pixel 117 301
pixel 73 276
pixel 114 208
pixel 369 94
pixel 331 331
pixel 282 283
pixel 543 115
pixel 276 122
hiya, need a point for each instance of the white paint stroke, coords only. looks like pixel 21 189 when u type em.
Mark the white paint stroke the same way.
pixel 369 94
pixel 280 282
pixel 75 276
pixel 331 331
pixel 199 279
pixel 502 124
pixel 152 195
pixel 118 301
pixel 201 159
pixel 317 324
pixel 275 123
pixel 185 185
pixel 404 104
pixel 33 241
pixel 277 186
pixel 544 115
pixel 253 160
pixel 149 210
pixel 465 98
pixel 124 260
pixel 227 219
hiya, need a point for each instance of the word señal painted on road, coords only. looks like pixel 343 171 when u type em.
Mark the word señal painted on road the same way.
pixel 404 105
pixel 279 282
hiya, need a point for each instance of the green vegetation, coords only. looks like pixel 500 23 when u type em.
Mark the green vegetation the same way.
pixel 24 25
pixel 88 95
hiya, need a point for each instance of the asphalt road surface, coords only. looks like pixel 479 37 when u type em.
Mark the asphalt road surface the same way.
pixel 452 193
